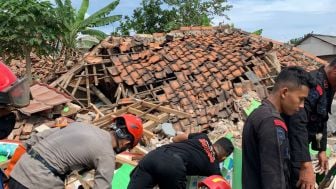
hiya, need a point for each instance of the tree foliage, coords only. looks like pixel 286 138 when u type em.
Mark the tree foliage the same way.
pixel 27 25
pixel 165 15
pixel 295 41
pixel 75 22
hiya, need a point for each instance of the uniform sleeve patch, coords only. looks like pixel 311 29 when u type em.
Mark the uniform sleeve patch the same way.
pixel 280 123
pixel 319 90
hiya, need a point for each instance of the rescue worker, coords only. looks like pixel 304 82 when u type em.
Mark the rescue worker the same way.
pixel 14 93
pixel 310 126
pixel 55 153
pixel 168 165
pixel 265 142
pixel 214 182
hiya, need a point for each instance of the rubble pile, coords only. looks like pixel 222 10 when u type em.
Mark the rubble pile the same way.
pixel 44 69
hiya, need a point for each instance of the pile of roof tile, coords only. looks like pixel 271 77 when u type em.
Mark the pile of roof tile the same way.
pixel 203 71
pixel 43 69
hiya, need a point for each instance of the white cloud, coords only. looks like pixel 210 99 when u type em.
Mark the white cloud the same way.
pixel 285 5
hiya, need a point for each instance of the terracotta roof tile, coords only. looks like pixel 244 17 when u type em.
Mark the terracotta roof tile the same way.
pixel 135 56
pixel 236 73
pixel 174 84
pixel 160 75
pixel 117 79
pixel 124 58
pixel 116 61
pixel 226 85
pixel 154 59
pixel 137 66
pixel 174 67
pixel 162 98
pixel 113 71
pixel 130 68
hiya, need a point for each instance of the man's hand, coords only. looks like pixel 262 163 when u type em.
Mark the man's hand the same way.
pixel 307 176
pixel 323 161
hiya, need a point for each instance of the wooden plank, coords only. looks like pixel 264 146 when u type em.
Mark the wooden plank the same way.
pixel 81 88
pixel 73 98
pixel 121 159
pixel 150 124
pixel 166 109
pixel 100 95
pixel 68 81
pixel 140 150
pixel 163 117
pixel 148 133
pixel 97 110
pixel 77 85
pixel 141 114
pixel 107 78
pixel 87 86
pixel 75 69
pixel 95 75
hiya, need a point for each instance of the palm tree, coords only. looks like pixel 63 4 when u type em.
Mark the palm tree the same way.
pixel 76 23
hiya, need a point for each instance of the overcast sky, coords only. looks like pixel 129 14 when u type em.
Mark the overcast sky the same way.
pixel 280 19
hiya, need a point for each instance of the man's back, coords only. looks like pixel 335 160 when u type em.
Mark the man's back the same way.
pixel 75 147
pixel 197 153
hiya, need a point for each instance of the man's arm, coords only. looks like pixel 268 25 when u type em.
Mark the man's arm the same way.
pixel 105 166
pixel 183 136
pixel 180 137
pixel 272 146
pixel 299 146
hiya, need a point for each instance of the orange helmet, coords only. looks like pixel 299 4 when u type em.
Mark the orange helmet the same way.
pixel 133 125
pixel 214 182
pixel 13 92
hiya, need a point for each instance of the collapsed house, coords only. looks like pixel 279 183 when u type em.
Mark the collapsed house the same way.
pixel 203 71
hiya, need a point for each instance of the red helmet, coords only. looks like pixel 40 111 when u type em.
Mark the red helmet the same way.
pixel 133 126
pixel 13 92
pixel 214 182
pixel 7 77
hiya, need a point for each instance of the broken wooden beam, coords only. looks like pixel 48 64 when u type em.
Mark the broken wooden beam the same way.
pixel 166 109
pixel 100 95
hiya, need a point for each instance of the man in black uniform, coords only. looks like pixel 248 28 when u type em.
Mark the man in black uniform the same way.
pixel 265 142
pixel 310 125
pixel 168 166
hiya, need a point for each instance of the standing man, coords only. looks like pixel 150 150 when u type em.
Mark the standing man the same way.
pixel 14 93
pixel 310 126
pixel 168 165
pixel 265 142
pixel 55 153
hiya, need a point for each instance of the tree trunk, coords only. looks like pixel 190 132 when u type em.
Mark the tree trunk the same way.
pixel 28 65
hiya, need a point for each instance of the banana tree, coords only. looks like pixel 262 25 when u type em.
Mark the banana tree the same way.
pixel 76 23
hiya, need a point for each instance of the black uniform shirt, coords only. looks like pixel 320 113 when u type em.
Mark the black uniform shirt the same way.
pixel 311 120
pixel 198 155
pixel 265 150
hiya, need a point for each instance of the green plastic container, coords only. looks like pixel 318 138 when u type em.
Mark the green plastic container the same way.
pixel 121 177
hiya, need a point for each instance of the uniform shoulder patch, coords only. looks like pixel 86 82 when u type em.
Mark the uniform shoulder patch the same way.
pixel 280 123
pixel 319 90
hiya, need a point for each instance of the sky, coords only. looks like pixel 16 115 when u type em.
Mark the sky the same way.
pixel 280 20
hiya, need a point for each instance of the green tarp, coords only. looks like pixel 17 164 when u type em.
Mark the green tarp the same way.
pixel 121 177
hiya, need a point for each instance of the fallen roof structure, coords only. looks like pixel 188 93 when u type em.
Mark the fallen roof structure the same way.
pixel 203 71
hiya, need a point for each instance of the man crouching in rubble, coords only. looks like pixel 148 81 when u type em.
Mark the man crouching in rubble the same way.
pixel 55 153
pixel 265 139
pixel 168 165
